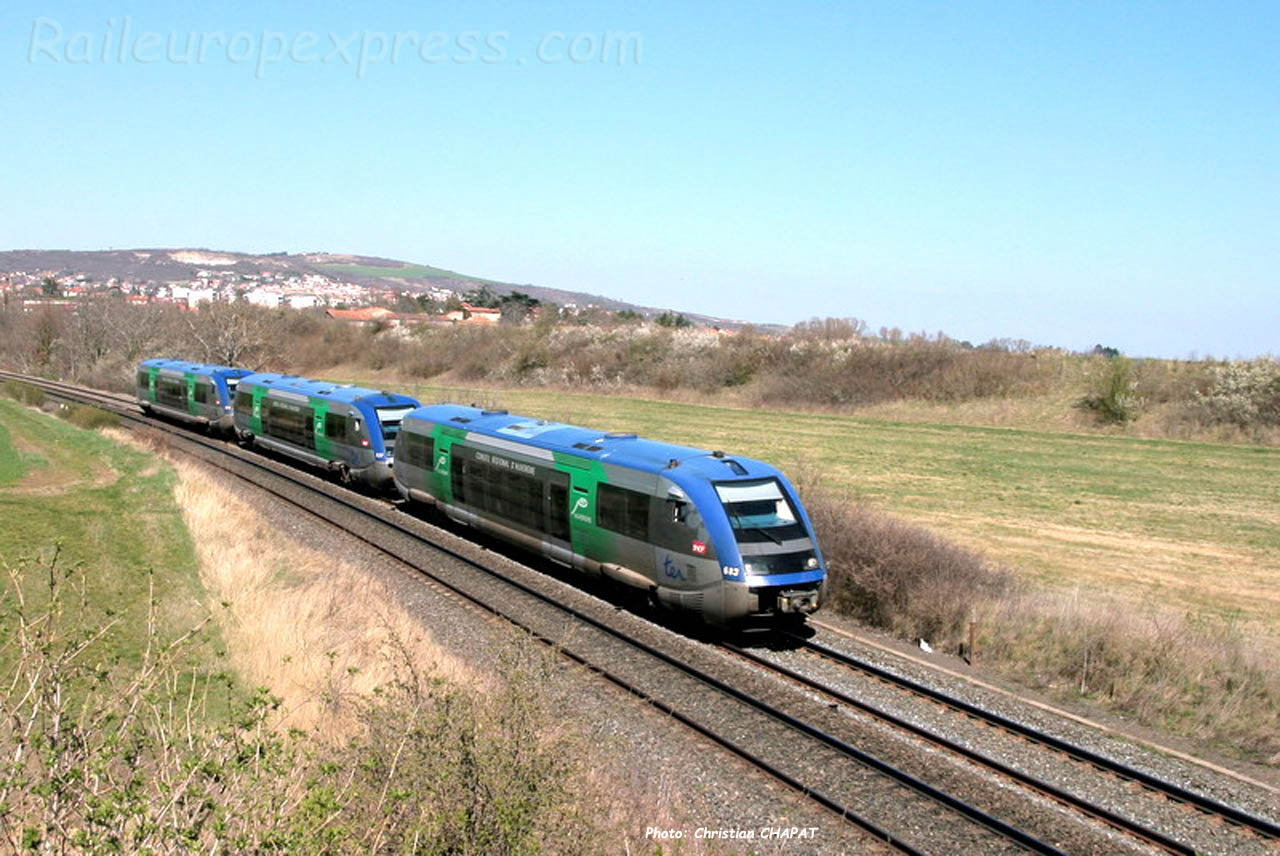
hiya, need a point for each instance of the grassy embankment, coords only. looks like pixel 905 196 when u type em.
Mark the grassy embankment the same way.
pixel 111 510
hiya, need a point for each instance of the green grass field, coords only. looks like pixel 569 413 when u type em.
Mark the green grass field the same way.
pixel 1192 525
pixel 406 272
pixel 110 508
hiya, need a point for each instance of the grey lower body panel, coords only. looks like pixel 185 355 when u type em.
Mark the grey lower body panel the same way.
pixel 175 413
pixel 376 474
pixel 707 601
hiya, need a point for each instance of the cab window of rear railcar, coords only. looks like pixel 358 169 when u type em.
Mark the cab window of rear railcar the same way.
pixel 389 418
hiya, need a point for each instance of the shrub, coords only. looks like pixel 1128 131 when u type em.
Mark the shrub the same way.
pixel 28 394
pixel 898 576
pixel 1244 394
pixel 1113 391
pixel 89 418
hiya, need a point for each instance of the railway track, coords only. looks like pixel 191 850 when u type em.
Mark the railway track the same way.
pixel 792 742
pixel 1263 829
pixel 1171 791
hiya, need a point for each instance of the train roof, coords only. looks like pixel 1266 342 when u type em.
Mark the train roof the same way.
pixel 345 393
pixel 197 368
pixel 621 449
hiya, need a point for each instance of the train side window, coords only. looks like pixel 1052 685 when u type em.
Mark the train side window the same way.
pixel 171 391
pixel 679 510
pixel 335 427
pixel 204 393
pixel 244 402
pixel 288 422
pixel 624 511
pixel 558 513
pixel 458 477
pixel 416 450
pixel 144 377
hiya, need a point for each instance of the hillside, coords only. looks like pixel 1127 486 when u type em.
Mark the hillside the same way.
pixel 157 266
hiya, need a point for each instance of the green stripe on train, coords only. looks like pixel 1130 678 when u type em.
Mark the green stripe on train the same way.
pixel 584 475
pixel 324 446
pixel 255 420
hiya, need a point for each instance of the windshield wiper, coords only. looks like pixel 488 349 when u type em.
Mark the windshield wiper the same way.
pixel 744 527
pixel 774 538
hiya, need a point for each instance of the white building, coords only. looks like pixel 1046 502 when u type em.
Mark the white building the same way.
pixel 302 301
pixel 261 297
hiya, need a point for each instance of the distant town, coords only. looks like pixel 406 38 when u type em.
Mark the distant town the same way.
pixel 342 300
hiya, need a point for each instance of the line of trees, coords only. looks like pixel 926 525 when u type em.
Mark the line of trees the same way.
pixel 826 363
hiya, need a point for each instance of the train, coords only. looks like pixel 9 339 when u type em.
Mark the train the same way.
pixel 348 430
pixel 719 536
pixel 191 392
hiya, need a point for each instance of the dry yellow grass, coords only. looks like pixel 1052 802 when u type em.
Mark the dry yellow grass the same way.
pixel 304 623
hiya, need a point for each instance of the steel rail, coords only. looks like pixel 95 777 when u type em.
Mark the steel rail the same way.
pixel 1177 793
pixel 1064 797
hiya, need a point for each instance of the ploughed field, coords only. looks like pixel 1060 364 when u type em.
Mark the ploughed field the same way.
pixel 1195 526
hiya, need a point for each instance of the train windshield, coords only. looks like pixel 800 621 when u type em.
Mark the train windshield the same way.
pixel 390 418
pixel 760 511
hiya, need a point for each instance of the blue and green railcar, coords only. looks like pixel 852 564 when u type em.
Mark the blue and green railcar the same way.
pixel 191 392
pixel 347 430
pixel 723 536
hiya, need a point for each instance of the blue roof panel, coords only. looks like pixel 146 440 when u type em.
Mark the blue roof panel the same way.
pixel 625 450
pixel 197 368
pixel 345 393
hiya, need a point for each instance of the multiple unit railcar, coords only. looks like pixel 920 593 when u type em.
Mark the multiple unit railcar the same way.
pixel 345 429
pixel 192 392
pixel 721 536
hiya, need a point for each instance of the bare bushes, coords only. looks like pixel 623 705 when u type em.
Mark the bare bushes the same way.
pixel 897 576
pixel 857 373
pixel 95 758
pixel 1200 678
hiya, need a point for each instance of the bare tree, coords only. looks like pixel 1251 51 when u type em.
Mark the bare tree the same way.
pixel 234 334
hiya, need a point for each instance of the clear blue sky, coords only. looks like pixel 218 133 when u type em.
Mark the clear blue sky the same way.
pixel 1068 173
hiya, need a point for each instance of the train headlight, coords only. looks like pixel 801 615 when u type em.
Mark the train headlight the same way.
pixel 812 564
